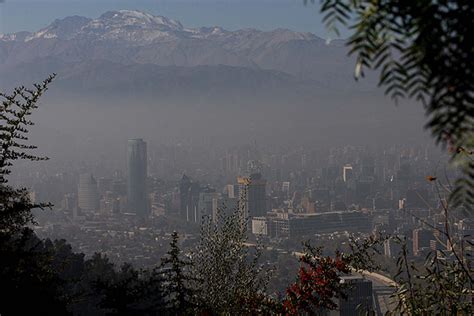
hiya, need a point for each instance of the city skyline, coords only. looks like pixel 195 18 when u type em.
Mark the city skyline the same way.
pixel 236 157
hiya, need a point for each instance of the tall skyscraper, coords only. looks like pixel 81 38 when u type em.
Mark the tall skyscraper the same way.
pixel 137 174
pixel 189 192
pixel 255 196
pixel 87 193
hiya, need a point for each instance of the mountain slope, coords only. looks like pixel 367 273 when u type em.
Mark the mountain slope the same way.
pixel 130 37
pixel 104 78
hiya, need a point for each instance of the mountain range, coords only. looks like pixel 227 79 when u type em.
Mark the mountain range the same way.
pixel 129 73
pixel 137 38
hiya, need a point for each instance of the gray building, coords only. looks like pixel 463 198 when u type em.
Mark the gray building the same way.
pixel 208 203
pixel 284 224
pixel 137 174
pixel 189 193
pixel 359 297
pixel 252 191
pixel 87 193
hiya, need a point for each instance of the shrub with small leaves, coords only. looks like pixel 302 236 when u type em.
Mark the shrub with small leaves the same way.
pixel 232 280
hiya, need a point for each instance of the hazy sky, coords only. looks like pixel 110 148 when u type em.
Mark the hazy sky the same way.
pixel 30 15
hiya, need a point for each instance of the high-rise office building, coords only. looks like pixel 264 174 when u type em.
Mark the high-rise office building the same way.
pixel 137 174
pixel 252 194
pixel 87 193
pixel 189 199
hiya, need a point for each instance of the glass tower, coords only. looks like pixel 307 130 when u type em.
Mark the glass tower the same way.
pixel 137 172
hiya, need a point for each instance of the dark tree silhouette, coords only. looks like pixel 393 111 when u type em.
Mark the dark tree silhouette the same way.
pixel 15 111
pixel 177 280
pixel 25 268
pixel 130 292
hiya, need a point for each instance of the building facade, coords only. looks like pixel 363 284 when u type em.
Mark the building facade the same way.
pixel 137 175
pixel 359 297
pixel 252 193
pixel 87 193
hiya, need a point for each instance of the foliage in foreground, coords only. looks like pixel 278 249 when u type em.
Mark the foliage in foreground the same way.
pixel 15 111
pixel 442 286
pixel 444 283
pixel 422 49
pixel 232 281
pixel 25 263
pixel 318 284
pixel 178 283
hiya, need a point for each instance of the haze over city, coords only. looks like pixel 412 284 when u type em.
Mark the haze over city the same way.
pixel 221 130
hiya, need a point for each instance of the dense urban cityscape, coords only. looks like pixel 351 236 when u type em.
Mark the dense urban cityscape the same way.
pixel 290 196
pixel 199 170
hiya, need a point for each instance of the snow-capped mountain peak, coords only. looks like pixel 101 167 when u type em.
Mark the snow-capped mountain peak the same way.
pixel 139 28
pixel 132 26
pixel 127 25
pixel 132 37
pixel 139 19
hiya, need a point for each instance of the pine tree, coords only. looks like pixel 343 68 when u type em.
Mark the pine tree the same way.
pixel 177 281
